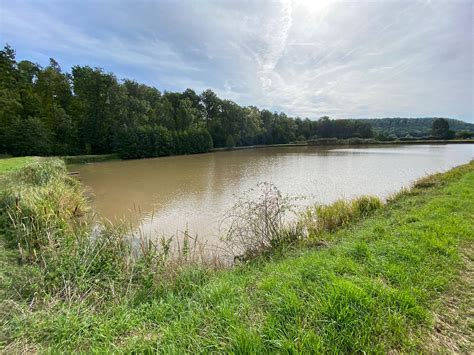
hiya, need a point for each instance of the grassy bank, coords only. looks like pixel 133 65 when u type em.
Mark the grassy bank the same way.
pixel 11 164
pixel 83 159
pixel 365 278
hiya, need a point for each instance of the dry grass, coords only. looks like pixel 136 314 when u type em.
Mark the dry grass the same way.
pixel 454 318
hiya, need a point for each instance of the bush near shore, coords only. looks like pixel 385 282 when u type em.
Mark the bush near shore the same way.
pixel 353 283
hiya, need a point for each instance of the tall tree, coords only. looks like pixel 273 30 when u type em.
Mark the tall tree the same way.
pixel 55 93
pixel 186 115
pixel 92 94
pixel 440 128
pixel 212 106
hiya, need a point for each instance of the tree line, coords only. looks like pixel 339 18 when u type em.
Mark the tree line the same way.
pixel 419 128
pixel 45 111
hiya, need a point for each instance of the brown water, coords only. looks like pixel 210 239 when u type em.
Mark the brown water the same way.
pixel 168 194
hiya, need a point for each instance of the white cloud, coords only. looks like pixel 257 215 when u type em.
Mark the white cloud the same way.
pixel 307 58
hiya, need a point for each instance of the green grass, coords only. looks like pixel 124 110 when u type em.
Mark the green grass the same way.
pixel 373 285
pixel 83 159
pixel 8 165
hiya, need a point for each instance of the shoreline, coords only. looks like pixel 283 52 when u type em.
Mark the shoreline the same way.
pixel 401 257
pixel 98 158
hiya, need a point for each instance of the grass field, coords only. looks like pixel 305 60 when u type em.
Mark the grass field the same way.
pixel 10 164
pixel 399 280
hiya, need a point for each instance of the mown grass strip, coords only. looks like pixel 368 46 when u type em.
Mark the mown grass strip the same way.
pixel 83 159
pixel 11 164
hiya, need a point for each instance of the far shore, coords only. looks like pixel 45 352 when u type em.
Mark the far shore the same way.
pixel 97 158
pixel 330 142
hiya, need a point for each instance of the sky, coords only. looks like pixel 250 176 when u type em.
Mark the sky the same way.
pixel 306 58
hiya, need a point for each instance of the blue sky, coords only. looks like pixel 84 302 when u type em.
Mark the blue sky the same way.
pixel 306 58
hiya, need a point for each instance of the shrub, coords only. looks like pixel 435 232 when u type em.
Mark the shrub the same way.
pixel 255 225
pixel 464 134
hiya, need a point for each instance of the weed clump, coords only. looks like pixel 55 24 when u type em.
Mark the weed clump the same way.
pixel 366 205
pixel 327 218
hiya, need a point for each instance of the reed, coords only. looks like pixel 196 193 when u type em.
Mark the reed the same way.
pixel 44 214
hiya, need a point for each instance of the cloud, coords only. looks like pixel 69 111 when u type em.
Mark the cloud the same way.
pixel 306 58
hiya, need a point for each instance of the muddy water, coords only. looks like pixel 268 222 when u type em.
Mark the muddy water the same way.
pixel 164 195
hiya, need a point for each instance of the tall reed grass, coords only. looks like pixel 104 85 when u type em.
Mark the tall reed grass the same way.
pixel 45 215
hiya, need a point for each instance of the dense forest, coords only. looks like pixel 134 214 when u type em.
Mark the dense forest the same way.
pixel 45 111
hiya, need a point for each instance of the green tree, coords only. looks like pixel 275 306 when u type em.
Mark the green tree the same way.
pixel 250 126
pixel 227 123
pixel 163 114
pixel 230 142
pixel 54 91
pixel 29 137
pixel 8 69
pixel 195 100
pixel 212 106
pixel 440 128
pixel 284 130
pixel 268 127
pixel 92 93
pixel 186 115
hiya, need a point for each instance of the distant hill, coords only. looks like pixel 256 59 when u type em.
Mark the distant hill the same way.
pixel 415 127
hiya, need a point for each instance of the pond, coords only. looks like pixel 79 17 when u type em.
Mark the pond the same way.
pixel 193 192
